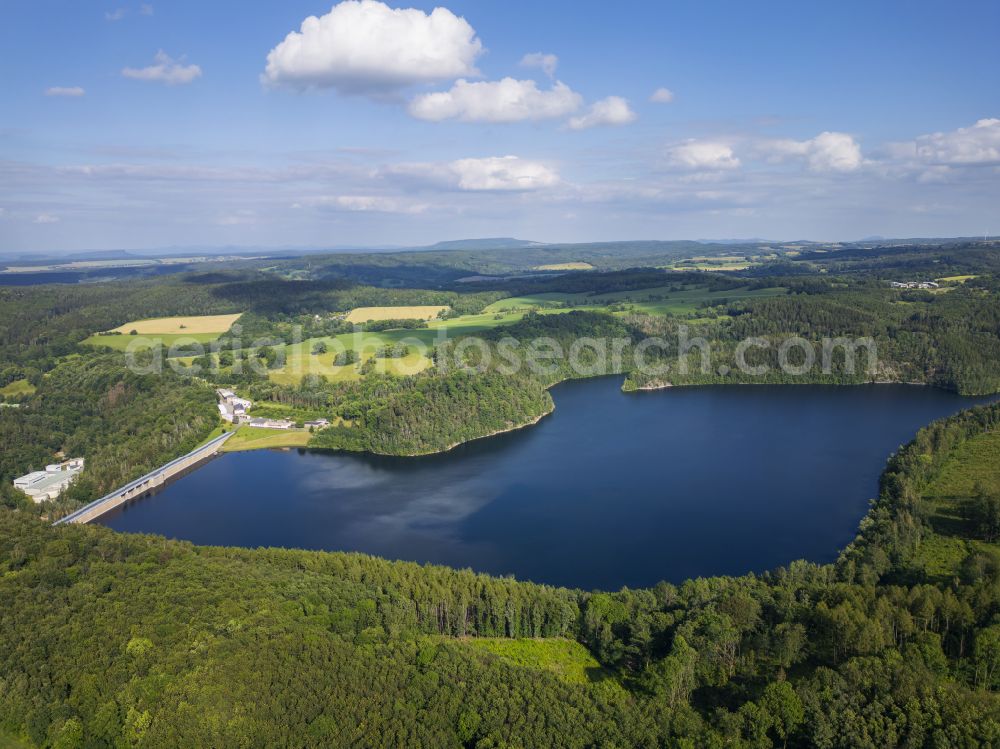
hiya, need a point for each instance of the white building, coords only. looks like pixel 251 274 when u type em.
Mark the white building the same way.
pixel 272 423
pixel 232 408
pixel 42 486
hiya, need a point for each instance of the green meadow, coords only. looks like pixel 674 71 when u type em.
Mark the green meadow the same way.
pixel 17 387
pixel 975 463
pixel 300 359
pixel 567 659
pixel 121 342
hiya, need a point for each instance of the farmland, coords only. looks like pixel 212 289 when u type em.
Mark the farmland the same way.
pixel 300 359
pixel 179 325
pixel 673 299
pixel 565 266
pixel 168 331
pixel 418 312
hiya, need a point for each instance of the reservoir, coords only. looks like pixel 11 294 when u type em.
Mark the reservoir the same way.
pixel 612 489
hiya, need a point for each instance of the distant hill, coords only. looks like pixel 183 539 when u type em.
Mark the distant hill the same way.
pixel 487 243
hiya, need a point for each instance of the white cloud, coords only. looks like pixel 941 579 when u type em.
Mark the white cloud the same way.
pixel 662 96
pixel 827 152
pixel 64 91
pixel 364 46
pixel 116 15
pixel 146 9
pixel 703 155
pixel 507 100
pixel 368 204
pixel 503 173
pixel 966 146
pixel 46 218
pixel 547 62
pixel 614 110
pixel 165 70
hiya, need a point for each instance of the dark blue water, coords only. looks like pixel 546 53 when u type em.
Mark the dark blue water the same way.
pixel 610 490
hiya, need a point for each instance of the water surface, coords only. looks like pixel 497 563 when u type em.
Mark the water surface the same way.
pixel 610 490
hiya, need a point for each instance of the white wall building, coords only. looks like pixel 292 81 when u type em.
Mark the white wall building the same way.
pixel 45 485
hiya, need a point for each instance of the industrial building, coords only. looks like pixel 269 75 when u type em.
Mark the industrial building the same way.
pixel 45 485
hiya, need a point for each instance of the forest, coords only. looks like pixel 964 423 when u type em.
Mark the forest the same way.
pixel 135 640
pixel 116 640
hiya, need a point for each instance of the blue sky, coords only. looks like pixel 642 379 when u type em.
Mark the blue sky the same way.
pixel 132 125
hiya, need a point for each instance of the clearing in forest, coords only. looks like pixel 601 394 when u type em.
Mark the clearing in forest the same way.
pixel 973 465
pixel 370 314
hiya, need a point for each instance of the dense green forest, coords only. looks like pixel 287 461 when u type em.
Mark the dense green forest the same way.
pixel 947 339
pixel 112 640
pixel 134 640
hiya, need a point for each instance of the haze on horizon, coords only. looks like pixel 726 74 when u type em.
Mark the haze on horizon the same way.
pixel 307 124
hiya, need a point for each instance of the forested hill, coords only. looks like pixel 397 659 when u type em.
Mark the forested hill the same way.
pixel 118 640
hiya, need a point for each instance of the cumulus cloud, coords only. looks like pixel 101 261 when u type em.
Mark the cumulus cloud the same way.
pixel 368 204
pixel 507 100
pixel 613 110
pixel 503 173
pixel 116 15
pixel 703 155
pixel 827 152
pixel 662 96
pixel 366 47
pixel 46 218
pixel 64 91
pixel 164 70
pixel 547 62
pixel 966 146
pixel 146 9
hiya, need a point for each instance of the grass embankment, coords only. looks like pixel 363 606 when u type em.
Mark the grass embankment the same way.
pixel 168 331
pixel 976 463
pixel 255 438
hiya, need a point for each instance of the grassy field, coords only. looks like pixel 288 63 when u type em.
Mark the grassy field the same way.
pixel 123 342
pixel 168 331
pixel 956 279
pixel 300 361
pixel 978 460
pixel 17 387
pixel 217 324
pixel 252 438
pixel 568 660
pixel 419 312
pixel 565 266
pixel 975 462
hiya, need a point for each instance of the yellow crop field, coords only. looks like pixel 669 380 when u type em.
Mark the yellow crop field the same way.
pixel 369 314
pixel 180 325
pixel 565 266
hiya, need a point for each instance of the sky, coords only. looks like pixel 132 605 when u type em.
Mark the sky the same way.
pixel 211 123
